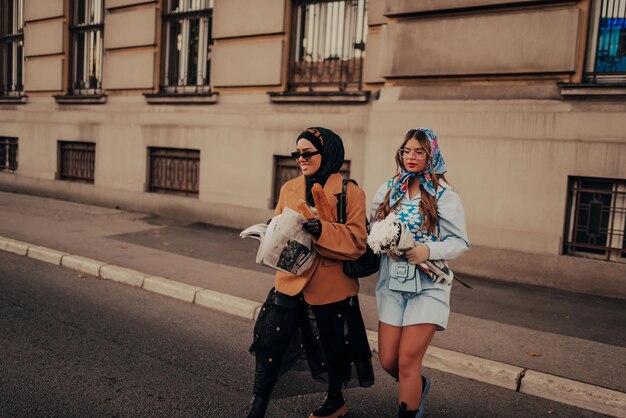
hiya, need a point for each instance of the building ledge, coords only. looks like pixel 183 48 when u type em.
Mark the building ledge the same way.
pixel 182 98
pixel 86 99
pixel 13 99
pixel 616 90
pixel 320 97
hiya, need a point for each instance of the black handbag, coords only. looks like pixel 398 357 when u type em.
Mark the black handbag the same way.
pixel 369 262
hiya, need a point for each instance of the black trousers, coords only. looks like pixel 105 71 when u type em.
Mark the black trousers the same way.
pixel 331 336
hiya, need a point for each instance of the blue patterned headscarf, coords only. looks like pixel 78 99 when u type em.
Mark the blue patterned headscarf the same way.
pixel 401 183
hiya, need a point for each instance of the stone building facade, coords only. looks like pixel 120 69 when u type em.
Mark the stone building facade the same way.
pixel 190 108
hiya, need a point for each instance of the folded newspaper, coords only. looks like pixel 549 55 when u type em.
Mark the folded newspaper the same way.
pixel 284 245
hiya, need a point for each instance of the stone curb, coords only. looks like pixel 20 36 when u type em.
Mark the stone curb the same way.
pixel 472 367
pixel 559 389
pixel 122 275
pixel 82 264
pixel 171 288
pixel 228 304
pixel 583 395
pixel 46 254
pixel 477 368
pixel 13 246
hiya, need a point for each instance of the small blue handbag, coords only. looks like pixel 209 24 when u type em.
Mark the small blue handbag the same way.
pixel 403 277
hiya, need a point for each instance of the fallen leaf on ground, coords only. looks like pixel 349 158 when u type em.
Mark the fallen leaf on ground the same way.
pixel 550 411
pixel 534 354
pixel 82 275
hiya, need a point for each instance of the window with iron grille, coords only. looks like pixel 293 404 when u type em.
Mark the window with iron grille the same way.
pixel 596 219
pixel 86 31
pixel 286 168
pixel 329 45
pixel 77 161
pixel 606 61
pixel 8 154
pixel 11 48
pixel 174 171
pixel 187 44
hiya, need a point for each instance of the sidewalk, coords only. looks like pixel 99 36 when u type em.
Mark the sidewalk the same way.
pixel 521 337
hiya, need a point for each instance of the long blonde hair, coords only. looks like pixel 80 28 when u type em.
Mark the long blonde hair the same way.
pixel 428 203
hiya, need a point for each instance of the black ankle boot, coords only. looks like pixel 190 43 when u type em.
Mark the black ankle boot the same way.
pixel 258 406
pixel 334 406
pixel 404 413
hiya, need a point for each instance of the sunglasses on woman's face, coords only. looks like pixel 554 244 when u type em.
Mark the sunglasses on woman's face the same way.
pixel 306 154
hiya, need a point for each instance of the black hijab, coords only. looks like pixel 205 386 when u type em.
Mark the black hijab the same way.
pixel 330 145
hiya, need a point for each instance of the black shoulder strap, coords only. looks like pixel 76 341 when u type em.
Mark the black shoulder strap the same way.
pixel 341 201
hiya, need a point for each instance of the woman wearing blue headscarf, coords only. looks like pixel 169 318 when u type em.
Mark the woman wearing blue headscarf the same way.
pixel 410 313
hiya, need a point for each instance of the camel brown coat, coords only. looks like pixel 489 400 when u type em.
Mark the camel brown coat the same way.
pixel 325 281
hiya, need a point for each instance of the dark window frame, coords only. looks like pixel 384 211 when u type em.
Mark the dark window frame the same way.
pixel 174 171
pixel 76 161
pixel 9 153
pixel 595 222
pixel 334 64
pixel 186 71
pixel 606 57
pixel 11 48
pixel 86 47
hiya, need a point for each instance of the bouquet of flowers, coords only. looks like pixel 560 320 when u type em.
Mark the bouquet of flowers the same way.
pixel 390 234
pixel 393 235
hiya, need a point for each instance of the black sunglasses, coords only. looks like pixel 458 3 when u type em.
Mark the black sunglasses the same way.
pixel 306 154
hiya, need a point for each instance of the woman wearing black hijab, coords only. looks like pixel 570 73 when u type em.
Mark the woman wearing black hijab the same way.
pixel 321 305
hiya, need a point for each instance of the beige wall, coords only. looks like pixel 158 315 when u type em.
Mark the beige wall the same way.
pixel 129 69
pixel 504 43
pixel 239 63
pixel 42 9
pixel 130 40
pixel 43 74
pixel 125 29
pixel 110 4
pixel 233 18
pixel 393 7
pixel 44 38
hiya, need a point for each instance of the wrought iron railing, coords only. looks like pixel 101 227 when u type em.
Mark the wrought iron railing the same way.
pixel 77 161
pixel 596 219
pixel 11 48
pixel 175 171
pixel 8 153
pixel 610 43
pixel 329 45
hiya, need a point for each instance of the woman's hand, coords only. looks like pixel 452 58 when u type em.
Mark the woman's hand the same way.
pixel 313 226
pixel 417 254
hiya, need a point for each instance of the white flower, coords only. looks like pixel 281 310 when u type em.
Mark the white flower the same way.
pixel 413 218
pixel 385 234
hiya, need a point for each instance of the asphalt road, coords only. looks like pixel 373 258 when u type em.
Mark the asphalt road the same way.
pixel 72 345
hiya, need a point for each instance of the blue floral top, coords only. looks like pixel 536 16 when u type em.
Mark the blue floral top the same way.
pixel 452 230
